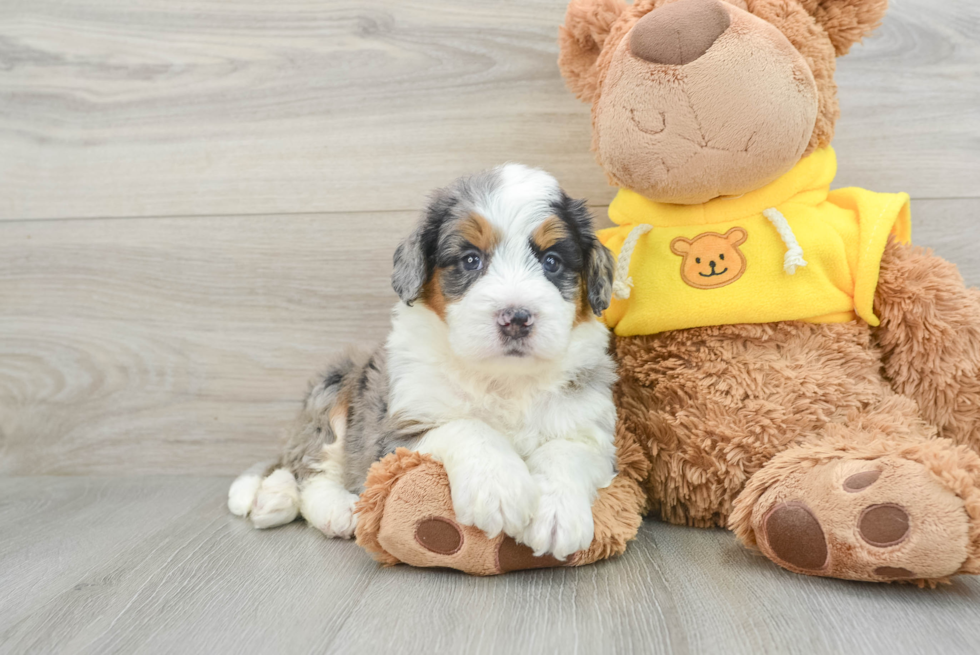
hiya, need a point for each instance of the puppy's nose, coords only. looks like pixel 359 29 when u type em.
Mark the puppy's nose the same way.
pixel 680 32
pixel 515 322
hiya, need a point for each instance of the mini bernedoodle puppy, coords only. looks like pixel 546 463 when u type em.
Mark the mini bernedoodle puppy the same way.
pixel 496 366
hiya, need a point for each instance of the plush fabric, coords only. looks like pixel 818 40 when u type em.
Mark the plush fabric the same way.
pixel 935 482
pixel 734 119
pixel 845 442
pixel 679 33
pixel 842 234
pixel 582 37
pixel 930 339
pixel 729 414
pixel 846 21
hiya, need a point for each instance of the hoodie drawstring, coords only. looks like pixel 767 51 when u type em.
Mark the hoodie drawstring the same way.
pixel 794 253
pixel 621 280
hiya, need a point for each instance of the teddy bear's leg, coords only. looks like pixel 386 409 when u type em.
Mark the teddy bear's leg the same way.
pixel 930 339
pixel 871 500
pixel 406 515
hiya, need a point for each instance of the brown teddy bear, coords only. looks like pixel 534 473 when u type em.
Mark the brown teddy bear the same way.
pixel 805 378
pixel 790 367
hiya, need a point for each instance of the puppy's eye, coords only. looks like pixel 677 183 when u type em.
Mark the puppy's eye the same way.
pixel 721 257
pixel 551 263
pixel 697 260
pixel 472 261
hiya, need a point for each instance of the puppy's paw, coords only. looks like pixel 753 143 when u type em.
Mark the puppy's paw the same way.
pixel 494 495
pixel 562 525
pixel 277 500
pixel 328 507
pixel 242 493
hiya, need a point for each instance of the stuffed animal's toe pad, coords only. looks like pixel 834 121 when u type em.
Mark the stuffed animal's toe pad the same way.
pixel 439 535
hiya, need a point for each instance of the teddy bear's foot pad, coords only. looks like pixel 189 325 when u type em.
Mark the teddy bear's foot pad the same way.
pixel 886 519
pixel 418 527
pixel 442 536
pixel 794 535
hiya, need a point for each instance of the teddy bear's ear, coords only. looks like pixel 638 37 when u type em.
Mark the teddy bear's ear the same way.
pixel 680 246
pixel 587 24
pixel 736 236
pixel 847 21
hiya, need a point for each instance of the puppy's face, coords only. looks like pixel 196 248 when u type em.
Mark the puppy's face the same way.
pixel 509 262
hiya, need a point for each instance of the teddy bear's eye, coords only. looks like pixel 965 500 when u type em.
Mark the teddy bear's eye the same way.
pixel 697 260
pixel 721 257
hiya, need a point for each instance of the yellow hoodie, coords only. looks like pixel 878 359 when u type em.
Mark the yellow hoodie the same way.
pixel 792 250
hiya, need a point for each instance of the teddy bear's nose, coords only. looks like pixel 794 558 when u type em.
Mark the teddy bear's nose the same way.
pixel 680 32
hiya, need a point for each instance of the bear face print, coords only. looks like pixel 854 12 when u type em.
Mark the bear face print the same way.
pixel 711 260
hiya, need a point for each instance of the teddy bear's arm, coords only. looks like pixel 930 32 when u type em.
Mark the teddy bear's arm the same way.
pixel 930 339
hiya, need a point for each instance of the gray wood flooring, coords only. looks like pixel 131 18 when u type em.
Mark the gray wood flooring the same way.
pixel 199 201
pixel 156 565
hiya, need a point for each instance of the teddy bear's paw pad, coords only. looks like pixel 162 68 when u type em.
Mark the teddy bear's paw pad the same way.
pixel 884 525
pixel 512 556
pixel 894 573
pixel 443 537
pixel 860 481
pixel 794 535
pixel 887 519
pixel 440 536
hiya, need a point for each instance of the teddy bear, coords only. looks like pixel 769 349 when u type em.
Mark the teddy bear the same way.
pixel 790 366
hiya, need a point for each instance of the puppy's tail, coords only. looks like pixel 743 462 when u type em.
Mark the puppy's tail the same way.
pixel 269 492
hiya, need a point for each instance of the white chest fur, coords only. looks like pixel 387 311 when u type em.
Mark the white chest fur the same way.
pixel 530 402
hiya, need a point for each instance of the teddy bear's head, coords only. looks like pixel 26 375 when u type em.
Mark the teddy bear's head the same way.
pixel 698 99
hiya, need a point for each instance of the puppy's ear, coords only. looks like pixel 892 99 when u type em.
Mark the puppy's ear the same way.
pixel 415 256
pixel 410 272
pixel 599 271
pixel 598 263
pixel 580 39
pixel 847 21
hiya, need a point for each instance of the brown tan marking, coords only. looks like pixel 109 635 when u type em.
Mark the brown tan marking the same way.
pixel 583 310
pixel 337 416
pixel 478 231
pixel 551 231
pixel 432 295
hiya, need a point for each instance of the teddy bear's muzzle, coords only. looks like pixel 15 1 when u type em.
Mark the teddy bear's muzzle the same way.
pixel 702 99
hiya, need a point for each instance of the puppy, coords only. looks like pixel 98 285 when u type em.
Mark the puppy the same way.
pixel 496 366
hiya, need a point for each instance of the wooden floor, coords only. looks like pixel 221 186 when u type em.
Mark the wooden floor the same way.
pixel 156 565
pixel 199 201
